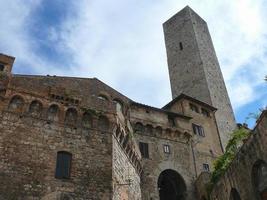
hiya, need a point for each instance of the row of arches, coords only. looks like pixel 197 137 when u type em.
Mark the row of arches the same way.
pixel 148 129
pixel 71 117
pixel 124 140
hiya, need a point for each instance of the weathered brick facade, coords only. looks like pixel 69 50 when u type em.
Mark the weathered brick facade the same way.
pixel 65 138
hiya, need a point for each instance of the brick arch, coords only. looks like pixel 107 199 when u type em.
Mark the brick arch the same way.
pixel 87 120
pixel 103 123
pixel 104 96
pixel 119 104
pixel 71 116
pixel 53 112
pixel 138 127
pixel 35 108
pixel 16 103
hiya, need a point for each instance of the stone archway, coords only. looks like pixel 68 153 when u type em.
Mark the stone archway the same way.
pixel 171 185
pixel 234 195
pixel 259 179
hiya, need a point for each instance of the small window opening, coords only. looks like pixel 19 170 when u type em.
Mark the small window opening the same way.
pixel 206 167
pixel 63 165
pixel 205 112
pixel 166 148
pixel 194 108
pixel 144 149
pixel 181 46
pixel 171 120
pixel 198 130
pixel 2 67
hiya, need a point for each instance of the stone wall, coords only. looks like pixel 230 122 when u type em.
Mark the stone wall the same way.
pixel 126 179
pixel 240 178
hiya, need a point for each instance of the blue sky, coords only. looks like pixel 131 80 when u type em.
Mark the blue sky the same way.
pixel 122 43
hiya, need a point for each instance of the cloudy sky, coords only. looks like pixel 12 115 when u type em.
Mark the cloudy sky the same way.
pixel 121 42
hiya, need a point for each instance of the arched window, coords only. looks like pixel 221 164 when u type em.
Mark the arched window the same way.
pixel 158 130
pixel 35 108
pixel 16 104
pixel 52 113
pixel 171 186
pixel 138 127
pixel 87 120
pixel 234 195
pixel 103 123
pixel 71 116
pixel 259 179
pixel 119 105
pixel 149 129
pixel 63 165
pixel 103 97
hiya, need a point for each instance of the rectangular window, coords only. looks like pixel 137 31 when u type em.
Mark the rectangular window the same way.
pixel 171 120
pixel 193 108
pixel 63 165
pixel 205 112
pixel 206 167
pixel 198 130
pixel 2 66
pixel 181 46
pixel 166 148
pixel 144 149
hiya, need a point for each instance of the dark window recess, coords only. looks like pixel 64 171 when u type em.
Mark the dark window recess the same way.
pixel 194 108
pixel 144 149
pixel 2 66
pixel 205 112
pixel 206 167
pixel 181 46
pixel 171 120
pixel 166 148
pixel 63 165
pixel 198 130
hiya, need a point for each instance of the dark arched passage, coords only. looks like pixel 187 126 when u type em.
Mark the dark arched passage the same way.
pixel 171 185
pixel 259 179
pixel 234 195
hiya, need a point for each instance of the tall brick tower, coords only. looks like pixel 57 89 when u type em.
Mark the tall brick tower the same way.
pixel 194 68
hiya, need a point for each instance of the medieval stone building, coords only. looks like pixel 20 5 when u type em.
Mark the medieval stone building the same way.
pixel 77 138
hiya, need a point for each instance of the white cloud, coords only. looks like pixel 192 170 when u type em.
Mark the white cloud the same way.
pixel 121 42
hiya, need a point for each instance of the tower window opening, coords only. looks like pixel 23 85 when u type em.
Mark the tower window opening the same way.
pixel 144 149
pixel 2 66
pixel 181 46
pixel 205 112
pixel 206 167
pixel 166 148
pixel 198 130
pixel 194 108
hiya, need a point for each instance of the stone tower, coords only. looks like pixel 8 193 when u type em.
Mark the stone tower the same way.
pixel 194 68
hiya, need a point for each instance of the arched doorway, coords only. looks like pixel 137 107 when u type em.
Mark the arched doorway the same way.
pixel 234 195
pixel 171 185
pixel 259 179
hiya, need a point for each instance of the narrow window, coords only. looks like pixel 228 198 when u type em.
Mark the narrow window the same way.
pixel 144 149
pixel 181 46
pixel 205 112
pixel 193 108
pixel 206 167
pixel 2 66
pixel 198 130
pixel 171 120
pixel 63 165
pixel 166 148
